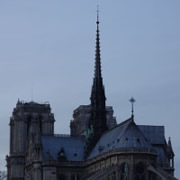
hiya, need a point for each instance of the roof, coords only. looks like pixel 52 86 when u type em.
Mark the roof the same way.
pixel 154 133
pixel 161 154
pixel 125 135
pixel 73 147
pixel 32 102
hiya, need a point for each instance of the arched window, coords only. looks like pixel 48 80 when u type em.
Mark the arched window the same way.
pixel 124 171
pixel 152 176
pixel 139 171
pixel 108 178
pixel 61 155
pixel 113 176
pixel 62 177
pixel 40 123
pixel 29 120
pixel 75 177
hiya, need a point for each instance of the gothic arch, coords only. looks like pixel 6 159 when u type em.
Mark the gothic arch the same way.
pixel 40 118
pixel 74 177
pixel 29 122
pixel 124 171
pixel 62 177
pixel 139 170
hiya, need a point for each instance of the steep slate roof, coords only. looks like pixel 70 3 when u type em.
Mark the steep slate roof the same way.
pixel 156 136
pixel 125 135
pixel 161 154
pixel 73 147
pixel 154 133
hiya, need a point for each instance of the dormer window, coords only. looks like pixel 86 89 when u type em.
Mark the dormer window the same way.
pixel 61 155
pixel 138 140
pixel 100 148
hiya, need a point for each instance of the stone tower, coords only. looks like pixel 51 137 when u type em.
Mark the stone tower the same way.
pixel 26 119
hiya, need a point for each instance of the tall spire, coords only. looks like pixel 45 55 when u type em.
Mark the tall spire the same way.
pixel 98 112
pixel 98 51
pixel 97 122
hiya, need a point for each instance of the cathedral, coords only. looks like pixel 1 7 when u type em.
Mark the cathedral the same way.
pixel 97 148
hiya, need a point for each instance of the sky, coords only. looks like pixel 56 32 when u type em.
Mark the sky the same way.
pixel 47 50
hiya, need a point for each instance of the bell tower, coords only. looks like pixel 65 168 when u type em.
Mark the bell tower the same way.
pixel 26 118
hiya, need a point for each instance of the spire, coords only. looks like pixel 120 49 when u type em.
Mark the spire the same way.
pixel 98 112
pixel 170 149
pixel 97 72
pixel 132 101
pixel 97 122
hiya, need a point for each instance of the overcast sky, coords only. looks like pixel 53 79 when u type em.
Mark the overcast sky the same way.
pixel 47 50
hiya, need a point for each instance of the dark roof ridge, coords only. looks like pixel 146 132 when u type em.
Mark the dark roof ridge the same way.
pixel 128 120
pixel 151 125
pixel 132 122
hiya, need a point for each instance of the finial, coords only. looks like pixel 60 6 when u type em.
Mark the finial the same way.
pixel 169 141
pixel 132 101
pixel 18 101
pixel 97 22
pixel 170 148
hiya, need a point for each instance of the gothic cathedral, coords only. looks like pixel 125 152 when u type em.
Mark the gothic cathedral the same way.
pixel 97 148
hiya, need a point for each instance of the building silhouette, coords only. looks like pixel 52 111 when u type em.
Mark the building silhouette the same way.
pixel 97 148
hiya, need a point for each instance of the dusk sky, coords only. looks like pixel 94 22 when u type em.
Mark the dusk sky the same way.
pixel 47 50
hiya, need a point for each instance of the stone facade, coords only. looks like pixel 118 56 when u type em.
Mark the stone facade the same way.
pixel 81 115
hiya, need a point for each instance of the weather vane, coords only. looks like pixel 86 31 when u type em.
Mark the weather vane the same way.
pixel 132 101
